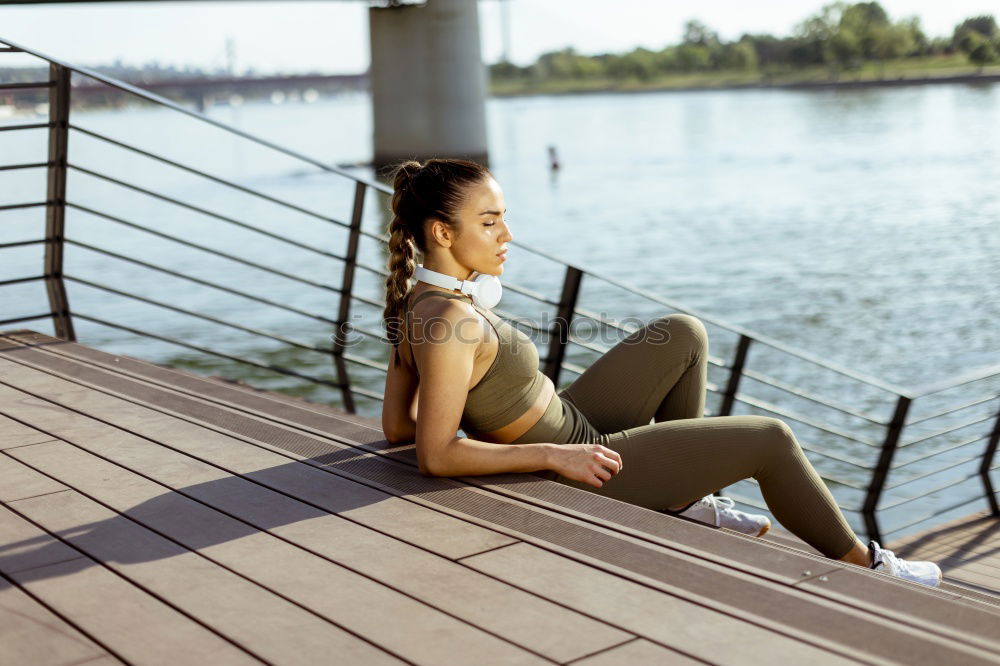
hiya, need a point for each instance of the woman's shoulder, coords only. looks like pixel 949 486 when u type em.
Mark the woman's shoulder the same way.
pixel 457 314
pixel 439 302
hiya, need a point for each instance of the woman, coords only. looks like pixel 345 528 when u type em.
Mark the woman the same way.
pixel 466 367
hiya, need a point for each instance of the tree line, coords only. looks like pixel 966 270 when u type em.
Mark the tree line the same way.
pixel 841 37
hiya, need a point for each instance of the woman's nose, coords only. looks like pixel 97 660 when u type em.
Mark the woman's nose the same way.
pixel 510 236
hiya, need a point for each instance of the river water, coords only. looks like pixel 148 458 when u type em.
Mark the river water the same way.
pixel 861 226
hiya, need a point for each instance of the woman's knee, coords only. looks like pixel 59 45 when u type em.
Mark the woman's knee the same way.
pixel 679 328
pixel 776 435
pixel 772 442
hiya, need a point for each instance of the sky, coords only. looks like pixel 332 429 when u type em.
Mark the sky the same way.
pixel 274 36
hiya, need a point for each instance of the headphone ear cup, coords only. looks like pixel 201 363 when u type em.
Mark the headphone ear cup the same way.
pixel 488 290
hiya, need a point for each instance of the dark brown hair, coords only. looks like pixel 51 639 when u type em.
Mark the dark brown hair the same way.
pixel 421 192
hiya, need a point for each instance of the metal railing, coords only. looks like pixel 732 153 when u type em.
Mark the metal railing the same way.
pixel 850 440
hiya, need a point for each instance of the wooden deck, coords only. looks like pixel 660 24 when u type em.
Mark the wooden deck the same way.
pixel 156 516
pixel 968 551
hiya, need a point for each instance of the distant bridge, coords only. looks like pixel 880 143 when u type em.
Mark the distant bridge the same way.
pixel 427 78
pixel 199 90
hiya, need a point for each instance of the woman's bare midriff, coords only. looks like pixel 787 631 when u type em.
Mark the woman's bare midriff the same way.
pixel 523 423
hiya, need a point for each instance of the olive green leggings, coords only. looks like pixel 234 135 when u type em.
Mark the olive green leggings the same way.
pixel 659 372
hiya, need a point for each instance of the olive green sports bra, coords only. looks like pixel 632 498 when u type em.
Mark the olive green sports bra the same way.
pixel 511 385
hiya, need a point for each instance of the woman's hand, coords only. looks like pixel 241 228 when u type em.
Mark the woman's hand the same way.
pixel 592 464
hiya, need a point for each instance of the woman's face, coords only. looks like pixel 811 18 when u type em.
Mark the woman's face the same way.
pixel 484 233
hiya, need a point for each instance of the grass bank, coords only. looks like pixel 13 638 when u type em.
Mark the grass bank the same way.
pixel 940 69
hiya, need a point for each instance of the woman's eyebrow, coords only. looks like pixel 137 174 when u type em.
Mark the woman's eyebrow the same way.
pixel 492 212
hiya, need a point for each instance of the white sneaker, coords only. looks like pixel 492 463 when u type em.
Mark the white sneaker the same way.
pixel 719 511
pixel 925 573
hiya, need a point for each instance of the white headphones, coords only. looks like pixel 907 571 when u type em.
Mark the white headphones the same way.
pixel 485 289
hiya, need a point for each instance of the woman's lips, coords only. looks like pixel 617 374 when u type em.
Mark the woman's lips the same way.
pixel 503 255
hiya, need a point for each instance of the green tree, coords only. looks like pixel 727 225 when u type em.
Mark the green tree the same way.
pixel 814 38
pixel 566 64
pixel 844 49
pixel 869 26
pixel 693 58
pixel 920 44
pixel 894 41
pixel 979 38
pixel 940 45
pixel 700 39
pixel 740 56
pixel 645 62
pixel 986 26
pixel 773 50
pixel 985 53
pixel 840 36
pixel 981 50
pixel 507 71
pixel 696 32
pixel 665 60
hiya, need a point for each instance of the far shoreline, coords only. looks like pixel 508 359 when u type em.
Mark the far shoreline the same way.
pixel 792 85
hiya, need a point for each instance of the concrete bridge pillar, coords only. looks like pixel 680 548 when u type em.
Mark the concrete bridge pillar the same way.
pixel 428 82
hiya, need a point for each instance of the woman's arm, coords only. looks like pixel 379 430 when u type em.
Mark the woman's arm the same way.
pixel 464 457
pixel 399 407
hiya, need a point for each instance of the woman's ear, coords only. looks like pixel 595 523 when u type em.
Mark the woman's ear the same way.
pixel 441 233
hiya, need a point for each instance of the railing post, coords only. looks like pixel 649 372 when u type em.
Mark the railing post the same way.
pixel 735 374
pixel 346 288
pixel 881 473
pixel 55 207
pixel 560 327
pixel 984 468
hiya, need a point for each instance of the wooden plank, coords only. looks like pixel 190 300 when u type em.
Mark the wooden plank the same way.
pixel 32 634
pixel 255 619
pixel 957 528
pixel 782 537
pixel 973 624
pixel 26 547
pixel 323 417
pixel 694 629
pixel 14 434
pixel 16 482
pixel 638 651
pixel 964 548
pixel 954 561
pixel 798 609
pixel 373 507
pixel 957 570
pixel 130 623
pixel 385 617
pixel 973 548
pixel 976 578
pixel 969 537
pixel 989 564
pixel 823 624
pixel 973 595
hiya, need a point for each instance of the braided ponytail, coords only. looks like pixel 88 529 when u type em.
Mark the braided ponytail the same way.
pixel 433 190
pixel 402 264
